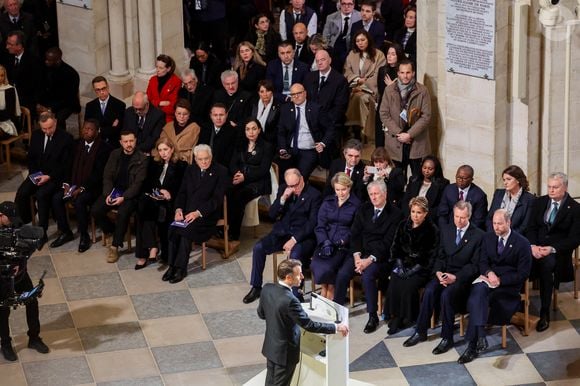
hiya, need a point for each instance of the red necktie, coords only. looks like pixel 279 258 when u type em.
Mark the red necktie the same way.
pixel 348 172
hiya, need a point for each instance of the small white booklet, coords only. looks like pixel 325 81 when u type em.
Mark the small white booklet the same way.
pixel 481 279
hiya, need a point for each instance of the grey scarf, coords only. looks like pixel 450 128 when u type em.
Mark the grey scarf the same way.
pixel 405 90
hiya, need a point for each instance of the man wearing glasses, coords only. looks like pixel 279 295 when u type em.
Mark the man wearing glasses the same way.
pixel 463 189
pixel 145 121
pixel 107 110
pixel 337 31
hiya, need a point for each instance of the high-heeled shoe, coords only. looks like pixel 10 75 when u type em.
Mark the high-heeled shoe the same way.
pixel 141 266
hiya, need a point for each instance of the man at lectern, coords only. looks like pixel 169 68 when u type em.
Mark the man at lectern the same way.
pixel 284 315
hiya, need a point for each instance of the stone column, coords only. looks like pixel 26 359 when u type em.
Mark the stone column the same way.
pixel 146 37
pixel 117 39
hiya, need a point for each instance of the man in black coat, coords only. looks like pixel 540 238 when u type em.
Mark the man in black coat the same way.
pixel 16 20
pixel 219 135
pixel 372 234
pixel 284 316
pixel 353 166
pixel 50 155
pixel 82 186
pixel 198 96
pixel 24 70
pixel 238 102
pixel 295 212
pixel 554 232
pixel 463 189
pixel 145 121
pixel 302 51
pixel 504 265
pixel 455 268
pixel 285 71
pixel 107 110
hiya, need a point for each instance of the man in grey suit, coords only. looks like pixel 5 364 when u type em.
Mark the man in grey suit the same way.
pixel 284 314
pixel 338 29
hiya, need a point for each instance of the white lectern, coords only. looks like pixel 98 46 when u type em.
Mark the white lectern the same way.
pixel 313 368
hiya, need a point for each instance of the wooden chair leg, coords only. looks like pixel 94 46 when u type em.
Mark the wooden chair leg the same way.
pixel 380 300
pixel 503 336
pixel 351 292
pixel 274 266
pixel 527 309
pixel 461 325
pixel 93 230
pixel 433 321
pixel 203 255
pixel 555 299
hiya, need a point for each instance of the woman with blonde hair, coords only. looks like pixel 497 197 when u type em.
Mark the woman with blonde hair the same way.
pixel 249 65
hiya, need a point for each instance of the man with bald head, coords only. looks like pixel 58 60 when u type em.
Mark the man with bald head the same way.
pixel 305 133
pixel 145 121
pixel 301 50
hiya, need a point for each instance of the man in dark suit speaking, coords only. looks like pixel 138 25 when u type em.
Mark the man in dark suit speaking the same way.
pixel 283 315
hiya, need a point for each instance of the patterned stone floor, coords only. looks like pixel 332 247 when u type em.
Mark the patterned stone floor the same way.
pixel 107 324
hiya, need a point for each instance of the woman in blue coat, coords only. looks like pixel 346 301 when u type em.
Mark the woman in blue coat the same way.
pixel 335 218
pixel 514 198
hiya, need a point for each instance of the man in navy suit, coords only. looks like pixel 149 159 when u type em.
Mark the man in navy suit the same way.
pixel 145 121
pixel 284 315
pixel 107 110
pixel 305 134
pixel 374 27
pixel 455 268
pixel 504 265
pixel 285 71
pixel 554 232
pixel 463 189
pixel 219 135
pixel 296 210
pixel 353 166
pixel 372 234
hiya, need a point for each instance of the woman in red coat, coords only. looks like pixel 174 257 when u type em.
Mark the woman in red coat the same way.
pixel 163 87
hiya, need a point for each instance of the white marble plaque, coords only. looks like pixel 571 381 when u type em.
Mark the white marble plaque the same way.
pixel 469 42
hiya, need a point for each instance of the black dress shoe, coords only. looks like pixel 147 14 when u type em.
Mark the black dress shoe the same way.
pixel 168 274
pixel 372 324
pixel 62 239
pixel 252 295
pixel 543 324
pixel 482 345
pixel 9 353
pixel 443 346
pixel 415 338
pixel 141 266
pixel 178 276
pixel 394 325
pixel 84 243
pixel 468 355
pixel 38 345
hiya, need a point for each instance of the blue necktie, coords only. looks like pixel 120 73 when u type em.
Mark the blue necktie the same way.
pixel 376 215
pixel 458 238
pixel 500 246
pixel 553 213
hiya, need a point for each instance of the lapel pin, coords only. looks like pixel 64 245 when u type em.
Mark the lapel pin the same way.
pixel 511 245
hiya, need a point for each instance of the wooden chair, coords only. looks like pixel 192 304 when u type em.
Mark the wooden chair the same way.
pixel 351 295
pixel 25 134
pixel 252 215
pixel 216 243
pixel 575 266
pixel 275 263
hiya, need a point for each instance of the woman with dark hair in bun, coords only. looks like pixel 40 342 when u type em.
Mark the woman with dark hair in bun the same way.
pixel 164 86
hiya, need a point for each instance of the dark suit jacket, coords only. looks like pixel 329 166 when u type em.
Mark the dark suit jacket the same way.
pixel 376 238
pixel 297 217
pixel 59 88
pixel 237 105
pixel 25 23
pixel 318 123
pixel 275 72
pixel 475 196
pixel 395 187
pixel 255 166
pixel 284 315
pixel 115 110
pixel 358 187
pixel 172 180
pixel 563 235
pixel 306 55
pixel 154 122
pixel 521 215
pixel 377 32
pixel 461 260
pixel 222 144
pixel 214 68
pixel 333 95
pixel 256 72
pixel 270 132
pixel 94 182
pixel 392 12
pixel 200 102
pixel 433 195
pixel 411 47
pixel 26 78
pixel 56 160
pixel 137 173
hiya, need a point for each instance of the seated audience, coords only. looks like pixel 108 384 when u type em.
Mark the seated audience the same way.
pixel 107 110
pixel 297 12
pixel 237 101
pixel 267 111
pixel 198 96
pixel 554 232
pixel 413 254
pixel 407 36
pixel 302 50
pixel 335 218
pixel 515 198
pixel 371 237
pixel 353 166
pixel 164 86
pixel 198 206
pixel 9 107
pixel 455 268
pixel 182 132
pixel 294 213
pixel 145 121
pixel 219 135
pixel 285 71
pixel 316 43
pixel 82 185
pixel 155 206
pixel 338 31
pixel 15 19
pixel 388 172
pixel 250 171
pixel 207 66
pixel 375 28
pixel 264 37
pixel 49 161
pixel 464 189
pixel 123 178
pixel 430 184
pixel 250 67
pixel 504 265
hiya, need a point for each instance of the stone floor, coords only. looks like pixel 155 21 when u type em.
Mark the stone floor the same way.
pixel 107 324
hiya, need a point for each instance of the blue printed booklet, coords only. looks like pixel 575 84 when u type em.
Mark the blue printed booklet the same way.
pixel 34 177
pixel 116 193
pixel 180 224
pixel 70 192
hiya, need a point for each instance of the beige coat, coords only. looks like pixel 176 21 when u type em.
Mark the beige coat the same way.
pixel 184 142
pixel 370 69
pixel 419 118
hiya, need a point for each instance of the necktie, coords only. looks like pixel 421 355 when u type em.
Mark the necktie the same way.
pixel 298 49
pixel 16 61
pixel 461 195
pixel 458 238
pixel 345 26
pixel 376 215
pixel 297 17
pixel 406 38
pixel 500 246
pixel 296 128
pixel 140 121
pixel 46 141
pixel 14 20
pixel 87 148
pixel 322 82
pixel 348 172
pixel 103 107
pixel 163 172
pixel 202 174
pixel 553 213
pixel 203 73
pixel 286 79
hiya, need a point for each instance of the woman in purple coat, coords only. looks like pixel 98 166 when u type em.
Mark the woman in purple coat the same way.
pixel 335 217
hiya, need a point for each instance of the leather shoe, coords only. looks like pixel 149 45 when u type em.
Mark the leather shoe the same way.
pixel 168 274
pixel 252 295
pixel 38 345
pixel 372 324
pixel 141 266
pixel 84 243
pixel 62 239
pixel 394 325
pixel 468 355
pixel 482 345
pixel 178 276
pixel 414 339
pixel 543 324
pixel 443 346
pixel 9 353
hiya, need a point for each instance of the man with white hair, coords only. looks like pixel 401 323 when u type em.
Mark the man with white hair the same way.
pixel 198 96
pixel 237 101
pixel 145 121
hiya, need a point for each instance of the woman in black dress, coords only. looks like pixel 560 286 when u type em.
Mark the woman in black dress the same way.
pixel 430 185
pixel 164 176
